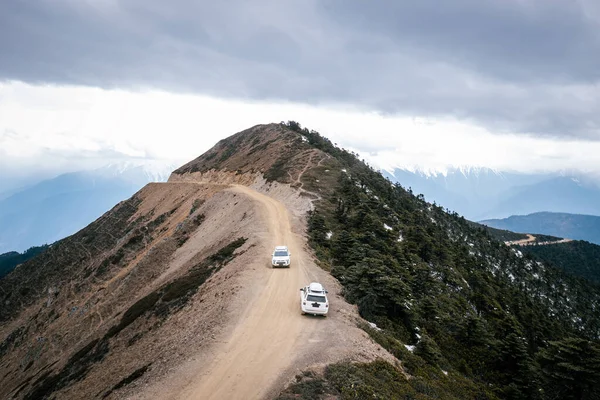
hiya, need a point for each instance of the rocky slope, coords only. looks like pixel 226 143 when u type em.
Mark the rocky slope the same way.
pixel 171 291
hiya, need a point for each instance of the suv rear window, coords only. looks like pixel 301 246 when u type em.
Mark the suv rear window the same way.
pixel 312 297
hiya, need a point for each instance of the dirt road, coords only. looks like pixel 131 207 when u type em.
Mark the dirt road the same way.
pixel 271 330
pixel 521 242
pixel 531 240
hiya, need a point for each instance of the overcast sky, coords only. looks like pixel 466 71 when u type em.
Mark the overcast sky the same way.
pixel 509 84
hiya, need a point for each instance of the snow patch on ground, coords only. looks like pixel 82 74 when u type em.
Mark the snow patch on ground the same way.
pixel 374 326
pixel 410 348
pixel 387 227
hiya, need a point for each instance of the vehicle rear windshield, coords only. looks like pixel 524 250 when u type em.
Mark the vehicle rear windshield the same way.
pixel 320 299
pixel 281 254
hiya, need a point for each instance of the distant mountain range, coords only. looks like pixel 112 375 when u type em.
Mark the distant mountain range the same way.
pixel 55 208
pixel 572 226
pixel 481 193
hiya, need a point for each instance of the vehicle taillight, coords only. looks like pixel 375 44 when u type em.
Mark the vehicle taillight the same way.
pixel 326 305
pixel 303 303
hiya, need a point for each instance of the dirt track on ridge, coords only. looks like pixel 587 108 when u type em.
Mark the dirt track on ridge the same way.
pixel 532 240
pixel 265 340
pixel 262 340
pixel 521 242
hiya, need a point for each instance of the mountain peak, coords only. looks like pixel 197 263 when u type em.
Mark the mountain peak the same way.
pixel 279 152
pixel 254 149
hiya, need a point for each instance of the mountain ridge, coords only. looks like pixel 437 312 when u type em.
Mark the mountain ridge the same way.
pixel 162 279
pixel 450 311
pixel 573 226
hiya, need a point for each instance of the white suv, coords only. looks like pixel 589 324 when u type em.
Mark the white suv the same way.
pixel 281 257
pixel 313 299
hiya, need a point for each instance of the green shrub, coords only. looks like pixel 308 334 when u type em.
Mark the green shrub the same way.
pixel 278 170
pixel 138 373
pixel 135 311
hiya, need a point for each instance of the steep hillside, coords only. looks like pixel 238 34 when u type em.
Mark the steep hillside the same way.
pixel 171 294
pixel 499 234
pixel 449 297
pixel 573 226
pixel 79 304
pixel 577 258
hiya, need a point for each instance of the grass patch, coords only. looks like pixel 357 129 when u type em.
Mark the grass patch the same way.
pixel 138 373
pixel 308 386
pixel 225 255
pixel 185 286
pixel 184 229
pixel 277 171
pixel 134 312
pixel 195 205
pixel 75 370
pixel 14 337
pixel 256 147
pixel 134 241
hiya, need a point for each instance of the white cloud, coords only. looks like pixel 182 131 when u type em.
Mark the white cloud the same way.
pixel 69 126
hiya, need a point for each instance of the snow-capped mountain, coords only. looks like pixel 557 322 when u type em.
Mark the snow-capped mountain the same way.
pixel 138 171
pixel 58 207
pixel 481 193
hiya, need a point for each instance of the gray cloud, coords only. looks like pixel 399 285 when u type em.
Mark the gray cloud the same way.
pixel 527 66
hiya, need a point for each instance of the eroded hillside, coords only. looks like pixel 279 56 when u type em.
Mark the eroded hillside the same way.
pixel 171 294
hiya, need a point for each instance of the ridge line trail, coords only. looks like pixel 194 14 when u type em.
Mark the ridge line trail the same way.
pixel 531 239
pixel 520 242
pixel 267 337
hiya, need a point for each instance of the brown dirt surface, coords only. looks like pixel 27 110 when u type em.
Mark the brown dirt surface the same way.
pixel 240 336
pixel 268 341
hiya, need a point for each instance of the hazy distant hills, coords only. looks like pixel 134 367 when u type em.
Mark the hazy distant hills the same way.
pixel 58 207
pixel 572 226
pixel 480 194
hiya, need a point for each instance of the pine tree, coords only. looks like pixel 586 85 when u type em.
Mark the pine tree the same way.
pixel 571 369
